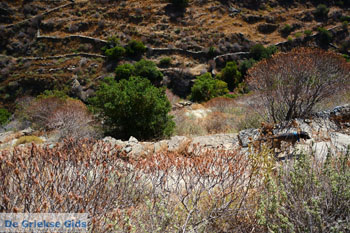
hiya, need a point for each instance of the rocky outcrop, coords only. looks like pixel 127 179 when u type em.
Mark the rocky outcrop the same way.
pixel 329 131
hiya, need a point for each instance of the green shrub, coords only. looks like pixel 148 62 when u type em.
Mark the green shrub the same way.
pixel 124 71
pixel 321 11
pixel 211 51
pixel 115 53
pixel 148 69
pixel 180 3
pixel 28 139
pixel 135 48
pixel 4 116
pixel 345 25
pixel 308 196
pixel 259 52
pixel 165 62
pixel 345 18
pixel 246 65
pixel 231 75
pixel 206 87
pixel 286 30
pixel 143 68
pixel 325 36
pixel 298 35
pixel 133 107
pixel 308 32
pixel 53 93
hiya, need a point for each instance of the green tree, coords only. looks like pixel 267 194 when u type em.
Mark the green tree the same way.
pixel 115 53
pixel 4 116
pixel 124 71
pixel 231 75
pixel 133 107
pixel 259 52
pixel 149 70
pixel 206 87
pixel 135 48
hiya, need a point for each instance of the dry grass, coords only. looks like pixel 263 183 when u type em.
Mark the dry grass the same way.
pixel 226 116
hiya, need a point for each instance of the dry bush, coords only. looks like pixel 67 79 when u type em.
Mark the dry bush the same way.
pixel 289 85
pixel 187 125
pixel 217 122
pixel 221 104
pixel 69 117
pixel 206 190
pixel 72 177
pixel 173 99
pixel 72 119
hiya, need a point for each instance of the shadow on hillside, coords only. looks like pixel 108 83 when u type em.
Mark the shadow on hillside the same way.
pixel 174 12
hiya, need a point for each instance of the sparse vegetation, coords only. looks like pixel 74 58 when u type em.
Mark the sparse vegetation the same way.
pixel 286 30
pixel 28 139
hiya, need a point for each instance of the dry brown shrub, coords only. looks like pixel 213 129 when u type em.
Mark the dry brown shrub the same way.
pixel 172 97
pixel 220 104
pixel 207 191
pixel 68 117
pixel 74 176
pixel 289 85
pixel 217 122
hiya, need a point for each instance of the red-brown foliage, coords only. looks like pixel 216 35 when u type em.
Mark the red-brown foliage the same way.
pixel 165 192
pixel 69 117
pixel 290 84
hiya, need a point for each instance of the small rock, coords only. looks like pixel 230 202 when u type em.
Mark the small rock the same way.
pixel 247 136
pixel 133 140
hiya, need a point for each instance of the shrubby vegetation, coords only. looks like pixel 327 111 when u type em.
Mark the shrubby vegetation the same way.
pixel 202 189
pixel 308 195
pixel 206 87
pixel 259 52
pixel 115 51
pixel 135 48
pixel 165 62
pixel 66 116
pixel 325 36
pixel 321 11
pixel 231 75
pixel 143 68
pixel 28 139
pixel 133 107
pixel 289 85
pixel 4 116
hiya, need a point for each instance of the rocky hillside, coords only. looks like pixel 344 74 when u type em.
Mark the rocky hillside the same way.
pixel 328 130
pixel 57 44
